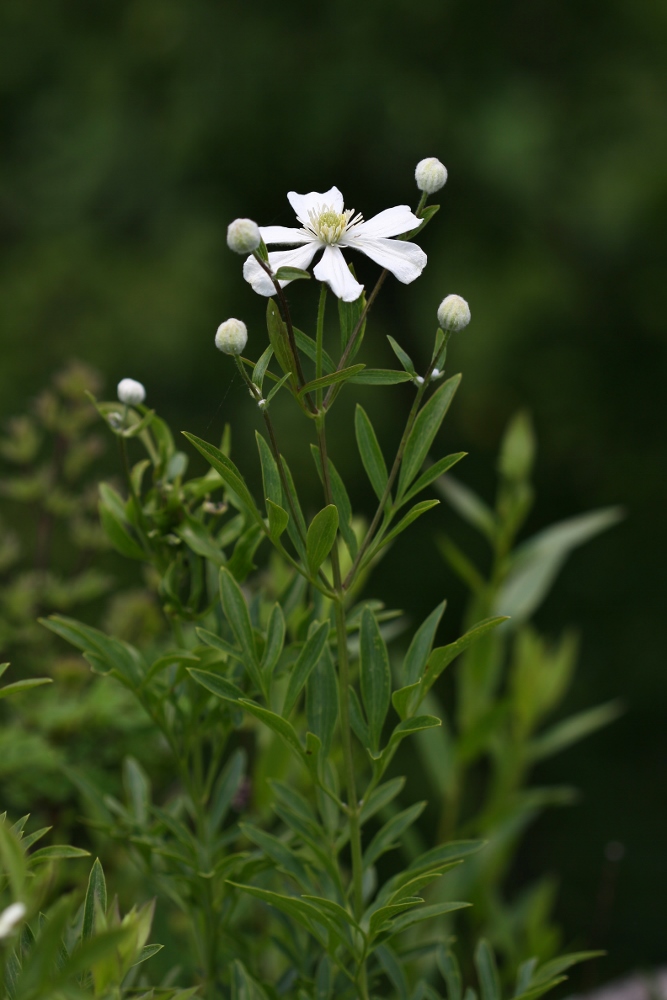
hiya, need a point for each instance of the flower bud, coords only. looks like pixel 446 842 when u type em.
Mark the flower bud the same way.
pixel 131 392
pixel 232 336
pixel 243 236
pixel 453 313
pixel 10 918
pixel 430 175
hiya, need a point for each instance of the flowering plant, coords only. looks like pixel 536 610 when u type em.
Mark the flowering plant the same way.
pixel 281 686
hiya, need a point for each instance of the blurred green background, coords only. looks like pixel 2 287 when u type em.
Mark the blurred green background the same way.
pixel 134 131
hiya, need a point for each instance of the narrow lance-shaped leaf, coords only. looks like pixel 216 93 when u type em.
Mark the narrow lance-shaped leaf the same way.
pixel 570 731
pixel 278 337
pixel 96 896
pixel 375 675
pixel 388 837
pixel 321 537
pixel 275 638
pixel 236 612
pixel 371 454
pixel 341 375
pixel 425 428
pixel 487 971
pixel 228 472
pixel 443 656
pixel 380 376
pixel 308 657
pixel 403 357
pixel 322 700
pixel 340 498
pixel 421 645
pixel 431 474
pixel 259 371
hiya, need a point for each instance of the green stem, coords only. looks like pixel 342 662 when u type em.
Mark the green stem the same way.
pixel 320 341
pixel 353 808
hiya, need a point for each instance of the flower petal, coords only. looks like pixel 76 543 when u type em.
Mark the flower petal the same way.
pixel 391 222
pixel 283 234
pixel 259 279
pixel 304 203
pixel 333 269
pixel 406 261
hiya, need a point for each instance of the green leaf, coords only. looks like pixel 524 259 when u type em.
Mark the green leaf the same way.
pixel 443 655
pixel 421 645
pixel 110 653
pixel 278 337
pixel 388 837
pixel 279 852
pixel 259 371
pixel 425 428
pixel 198 538
pixel 425 913
pixel 216 684
pixel 415 724
pixel 275 638
pixel 96 896
pixel 556 966
pixel 273 489
pixel 147 952
pixel 537 562
pixel 466 503
pixel 26 685
pixel 487 971
pixel 427 214
pixel 322 700
pixel 310 654
pixel 213 640
pixel 309 348
pixel 370 452
pixel 56 853
pixel 432 473
pixel 564 734
pixel 290 274
pixel 341 499
pixel 450 971
pixel 280 726
pixel 380 376
pixel 277 387
pixel 445 854
pixel 357 720
pixel 342 375
pixel 304 912
pixel 381 797
pixel 375 675
pixel 419 508
pixel 228 472
pixel 403 357
pixel 115 524
pixel 278 519
pixel 321 537
pixel 381 916
pixel 236 611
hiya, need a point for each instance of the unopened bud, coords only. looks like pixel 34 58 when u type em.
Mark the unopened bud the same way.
pixel 10 918
pixel 232 336
pixel 243 236
pixel 131 392
pixel 453 313
pixel 430 175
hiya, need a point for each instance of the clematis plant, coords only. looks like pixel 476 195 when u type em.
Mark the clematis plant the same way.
pixel 291 668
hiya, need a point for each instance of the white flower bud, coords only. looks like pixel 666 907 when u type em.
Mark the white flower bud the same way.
pixel 243 236
pixel 131 392
pixel 10 918
pixel 430 175
pixel 453 313
pixel 232 336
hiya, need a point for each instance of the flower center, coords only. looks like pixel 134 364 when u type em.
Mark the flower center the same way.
pixel 329 225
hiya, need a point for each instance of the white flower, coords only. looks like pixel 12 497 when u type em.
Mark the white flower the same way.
pixel 10 917
pixel 325 224
pixel 131 392
pixel 453 313
pixel 231 336
pixel 243 236
pixel 430 175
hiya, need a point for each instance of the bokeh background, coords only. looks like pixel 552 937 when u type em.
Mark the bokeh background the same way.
pixel 133 131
